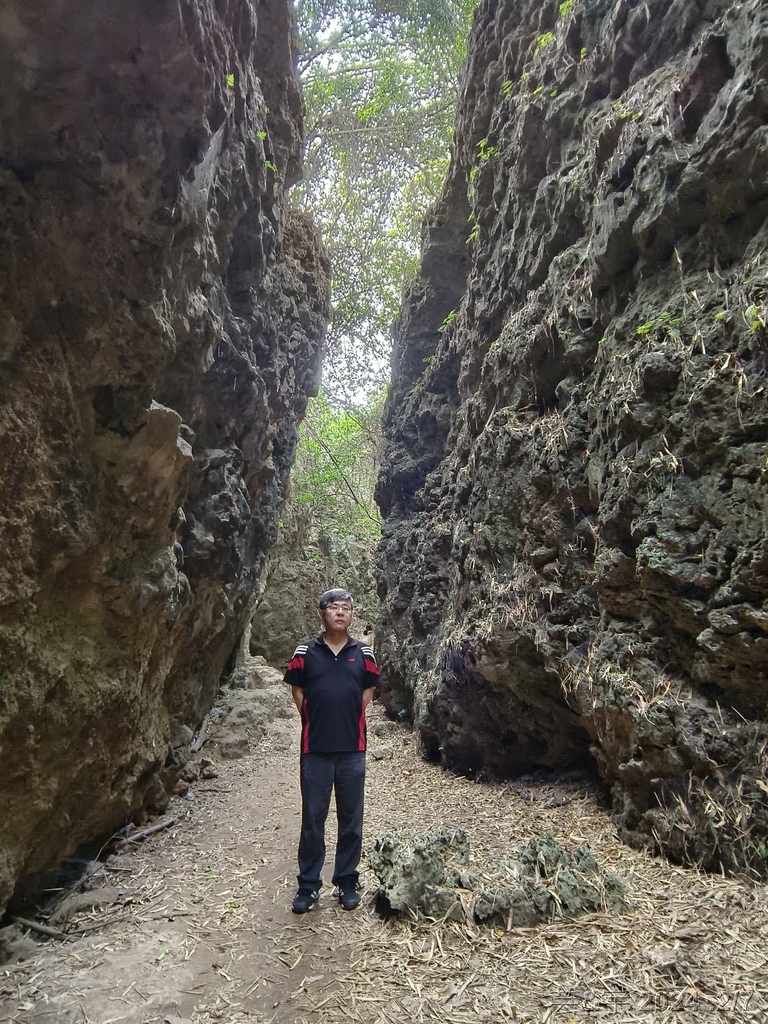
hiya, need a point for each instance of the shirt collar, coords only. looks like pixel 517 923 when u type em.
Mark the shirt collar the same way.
pixel 320 641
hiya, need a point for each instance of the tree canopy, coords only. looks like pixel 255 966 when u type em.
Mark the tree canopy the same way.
pixel 337 461
pixel 380 80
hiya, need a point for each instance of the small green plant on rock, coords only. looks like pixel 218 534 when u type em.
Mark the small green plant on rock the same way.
pixel 486 151
pixel 545 39
pixel 446 323
pixel 625 113
pixel 666 322
pixel 755 318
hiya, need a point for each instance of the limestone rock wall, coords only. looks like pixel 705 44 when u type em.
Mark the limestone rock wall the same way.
pixel 161 315
pixel 575 559
pixel 297 571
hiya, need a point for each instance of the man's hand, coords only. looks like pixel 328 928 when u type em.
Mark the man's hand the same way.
pixel 368 696
pixel 298 697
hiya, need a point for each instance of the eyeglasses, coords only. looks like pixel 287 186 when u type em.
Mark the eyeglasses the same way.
pixel 338 608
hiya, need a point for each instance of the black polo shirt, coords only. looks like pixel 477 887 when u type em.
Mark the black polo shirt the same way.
pixel 332 713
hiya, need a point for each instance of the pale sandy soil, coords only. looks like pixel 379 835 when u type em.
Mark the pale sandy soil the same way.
pixel 197 925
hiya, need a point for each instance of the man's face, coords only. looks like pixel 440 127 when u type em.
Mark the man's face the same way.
pixel 337 615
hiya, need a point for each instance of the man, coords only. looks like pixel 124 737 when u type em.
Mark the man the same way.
pixel 333 679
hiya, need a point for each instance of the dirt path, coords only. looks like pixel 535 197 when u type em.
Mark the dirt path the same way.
pixel 195 923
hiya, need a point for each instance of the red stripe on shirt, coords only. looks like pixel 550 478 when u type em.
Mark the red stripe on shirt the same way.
pixel 296 664
pixel 304 727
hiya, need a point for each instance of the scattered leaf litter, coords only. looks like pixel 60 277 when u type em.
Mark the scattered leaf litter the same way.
pixel 201 929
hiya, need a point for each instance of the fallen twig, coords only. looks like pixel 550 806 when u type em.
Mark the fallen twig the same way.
pixel 201 736
pixel 144 833
pixel 42 929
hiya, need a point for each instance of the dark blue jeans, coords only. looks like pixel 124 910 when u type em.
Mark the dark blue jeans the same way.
pixel 321 773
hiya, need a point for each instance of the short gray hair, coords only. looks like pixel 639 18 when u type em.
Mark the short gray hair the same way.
pixel 334 595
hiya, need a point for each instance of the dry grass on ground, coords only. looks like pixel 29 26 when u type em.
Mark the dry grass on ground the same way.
pixel 202 929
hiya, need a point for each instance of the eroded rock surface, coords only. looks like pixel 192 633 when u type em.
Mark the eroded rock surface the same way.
pixel 160 319
pixel 431 875
pixel 575 558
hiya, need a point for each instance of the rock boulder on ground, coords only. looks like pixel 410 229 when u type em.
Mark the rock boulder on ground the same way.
pixel 433 876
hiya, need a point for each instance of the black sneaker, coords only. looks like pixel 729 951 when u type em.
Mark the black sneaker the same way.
pixel 304 901
pixel 349 897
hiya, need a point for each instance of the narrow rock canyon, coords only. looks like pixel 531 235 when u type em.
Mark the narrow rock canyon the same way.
pixel 574 564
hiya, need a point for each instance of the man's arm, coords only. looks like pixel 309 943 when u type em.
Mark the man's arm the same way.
pixel 371 678
pixel 294 675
